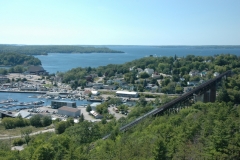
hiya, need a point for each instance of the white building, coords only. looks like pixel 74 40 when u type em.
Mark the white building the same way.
pixel 23 114
pixel 96 115
pixel 127 94
pixel 215 74
pixel 194 73
pixel 95 93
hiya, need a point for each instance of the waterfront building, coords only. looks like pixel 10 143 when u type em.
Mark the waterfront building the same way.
pixel 37 70
pixel 68 111
pixel 57 104
pixel 127 94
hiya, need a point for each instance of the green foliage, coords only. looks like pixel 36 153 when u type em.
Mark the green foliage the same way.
pixel 10 123
pixel 61 126
pixel 25 133
pixel 81 118
pixel 35 120
pixel 18 142
pixel 161 151
pixel 144 75
pixel 13 59
pixel 88 108
pixel 46 121
pixel 43 152
pixel 40 121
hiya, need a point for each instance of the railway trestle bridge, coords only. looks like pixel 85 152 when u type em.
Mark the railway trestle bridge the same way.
pixel 205 92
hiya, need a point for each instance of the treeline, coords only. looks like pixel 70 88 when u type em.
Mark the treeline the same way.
pixel 45 49
pixel 35 120
pixel 15 69
pixel 13 59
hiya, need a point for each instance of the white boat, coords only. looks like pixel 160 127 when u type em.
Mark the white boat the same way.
pixel 57 97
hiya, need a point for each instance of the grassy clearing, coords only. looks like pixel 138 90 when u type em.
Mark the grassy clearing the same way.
pixel 17 131
pixel 96 79
pixel 48 85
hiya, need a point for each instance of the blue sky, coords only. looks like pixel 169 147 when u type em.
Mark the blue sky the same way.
pixel 120 22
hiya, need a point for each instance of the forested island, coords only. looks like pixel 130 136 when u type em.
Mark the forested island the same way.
pixel 45 49
pixel 199 131
pixel 13 59
pixel 16 62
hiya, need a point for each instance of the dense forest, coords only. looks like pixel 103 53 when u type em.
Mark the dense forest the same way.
pixel 13 59
pixel 16 62
pixel 45 49
pixel 198 131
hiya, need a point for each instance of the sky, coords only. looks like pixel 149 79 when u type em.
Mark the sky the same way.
pixel 120 22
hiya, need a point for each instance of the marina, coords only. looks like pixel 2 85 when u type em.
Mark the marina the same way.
pixel 30 100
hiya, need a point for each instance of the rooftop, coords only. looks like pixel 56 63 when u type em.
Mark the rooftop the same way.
pixel 126 92
pixel 68 109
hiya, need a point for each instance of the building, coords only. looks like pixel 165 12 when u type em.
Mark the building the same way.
pixel 95 93
pixel 86 92
pixel 3 79
pixel 149 71
pixel 127 94
pixel 96 115
pixel 194 73
pixel 25 88
pixel 109 87
pixel 59 104
pixel 192 83
pixel 23 114
pixel 97 86
pixel 203 73
pixel 71 112
pixel 37 70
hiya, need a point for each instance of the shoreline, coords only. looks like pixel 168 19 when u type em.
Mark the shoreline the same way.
pixel 39 92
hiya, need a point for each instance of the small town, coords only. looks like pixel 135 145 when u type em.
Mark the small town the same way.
pixel 62 96
pixel 119 80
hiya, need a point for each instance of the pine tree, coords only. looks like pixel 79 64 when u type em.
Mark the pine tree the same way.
pixel 161 151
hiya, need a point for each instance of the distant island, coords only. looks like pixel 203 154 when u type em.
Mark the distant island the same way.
pixel 45 49
pixel 202 46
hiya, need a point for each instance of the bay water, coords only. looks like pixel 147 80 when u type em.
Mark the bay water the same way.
pixel 63 62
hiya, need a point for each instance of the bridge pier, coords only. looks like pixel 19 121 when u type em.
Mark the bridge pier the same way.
pixel 210 95
pixel 213 92
pixel 206 97
pixel 199 98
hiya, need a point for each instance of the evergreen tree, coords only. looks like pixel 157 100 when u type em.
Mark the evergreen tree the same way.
pixel 161 151
pixel 81 118
pixel 89 108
